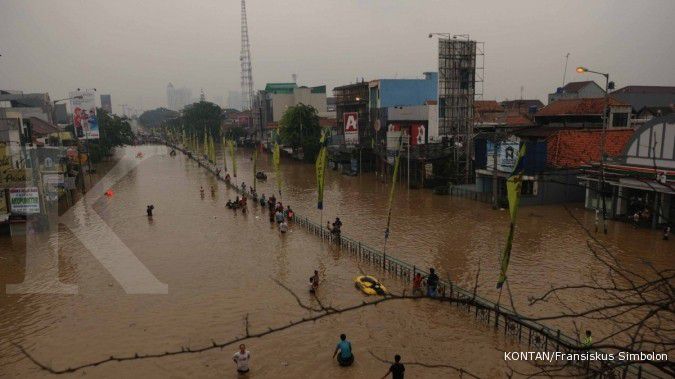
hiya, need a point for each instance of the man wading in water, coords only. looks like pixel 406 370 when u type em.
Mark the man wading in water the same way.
pixel 242 358
pixel 314 280
pixel 344 347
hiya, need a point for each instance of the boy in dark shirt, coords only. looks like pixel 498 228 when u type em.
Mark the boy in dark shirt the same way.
pixel 397 369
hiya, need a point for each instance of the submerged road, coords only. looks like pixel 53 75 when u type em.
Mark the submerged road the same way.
pixel 220 266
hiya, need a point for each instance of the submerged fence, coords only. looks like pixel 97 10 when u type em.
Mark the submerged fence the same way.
pixel 537 336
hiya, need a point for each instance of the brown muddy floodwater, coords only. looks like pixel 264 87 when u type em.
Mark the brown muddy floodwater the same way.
pixel 219 266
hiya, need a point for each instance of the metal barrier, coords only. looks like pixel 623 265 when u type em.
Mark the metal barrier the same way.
pixel 539 336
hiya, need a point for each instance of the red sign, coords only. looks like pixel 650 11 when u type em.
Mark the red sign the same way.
pixel 418 134
pixel 351 120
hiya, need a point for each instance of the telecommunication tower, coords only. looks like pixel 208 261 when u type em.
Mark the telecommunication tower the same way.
pixel 245 58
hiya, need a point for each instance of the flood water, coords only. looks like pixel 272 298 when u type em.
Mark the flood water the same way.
pixel 220 266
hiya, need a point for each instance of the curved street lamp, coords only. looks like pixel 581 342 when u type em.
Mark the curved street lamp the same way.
pixel 605 120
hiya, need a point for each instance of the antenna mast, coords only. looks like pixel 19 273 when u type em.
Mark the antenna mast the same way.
pixel 245 58
pixel 567 58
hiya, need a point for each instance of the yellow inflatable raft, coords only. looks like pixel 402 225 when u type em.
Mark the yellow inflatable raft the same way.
pixel 370 285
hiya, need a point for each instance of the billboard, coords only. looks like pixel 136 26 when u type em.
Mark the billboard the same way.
pixel 84 114
pixel 351 122
pixel 507 155
pixel 106 103
pixel 418 134
pixel 24 200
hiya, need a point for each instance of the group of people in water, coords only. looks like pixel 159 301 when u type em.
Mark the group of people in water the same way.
pixel 343 353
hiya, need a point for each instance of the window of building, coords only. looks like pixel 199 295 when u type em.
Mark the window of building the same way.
pixel 528 188
pixel 620 119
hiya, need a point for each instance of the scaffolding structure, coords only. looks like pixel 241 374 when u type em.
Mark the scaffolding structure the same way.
pixel 460 81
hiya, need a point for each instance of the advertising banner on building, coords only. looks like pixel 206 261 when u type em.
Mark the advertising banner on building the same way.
pixel 83 105
pixel 24 200
pixel 418 134
pixel 351 120
pixel 393 141
pixel 507 155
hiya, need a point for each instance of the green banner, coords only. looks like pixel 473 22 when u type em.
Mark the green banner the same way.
pixel 230 144
pixel 276 160
pixel 321 170
pixel 513 188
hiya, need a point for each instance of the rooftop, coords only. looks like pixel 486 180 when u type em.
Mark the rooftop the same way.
pixel 646 89
pixel 579 107
pixel 574 87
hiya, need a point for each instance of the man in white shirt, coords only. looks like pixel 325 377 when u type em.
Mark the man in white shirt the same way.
pixel 242 359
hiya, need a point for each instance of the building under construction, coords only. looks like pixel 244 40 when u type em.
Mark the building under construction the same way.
pixel 460 65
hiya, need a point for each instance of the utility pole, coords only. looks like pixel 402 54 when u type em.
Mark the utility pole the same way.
pixel 495 179
pixel 605 121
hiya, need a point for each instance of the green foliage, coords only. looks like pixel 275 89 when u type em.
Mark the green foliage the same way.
pixel 156 117
pixel 299 128
pixel 234 133
pixel 114 131
pixel 201 117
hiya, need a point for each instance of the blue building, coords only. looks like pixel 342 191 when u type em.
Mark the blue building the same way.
pixel 403 92
pixel 385 94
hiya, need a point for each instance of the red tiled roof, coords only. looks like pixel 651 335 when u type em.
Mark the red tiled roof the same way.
pixel 517 119
pixel 562 107
pixel 575 148
pixel 525 104
pixel 487 106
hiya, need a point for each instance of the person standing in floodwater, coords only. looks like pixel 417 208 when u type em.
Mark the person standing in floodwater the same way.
pixel 344 347
pixel 242 358
pixel 397 369
pixel 432 283
pixel 201 191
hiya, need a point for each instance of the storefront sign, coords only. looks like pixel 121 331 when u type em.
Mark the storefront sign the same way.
pixel 24 200
pixel 53 179
pixel 9 175
pixel 351 121
pixel 507 155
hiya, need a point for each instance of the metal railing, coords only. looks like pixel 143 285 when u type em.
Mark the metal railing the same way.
pixel 538 336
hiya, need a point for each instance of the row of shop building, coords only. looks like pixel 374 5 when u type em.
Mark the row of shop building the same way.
pixel 564 140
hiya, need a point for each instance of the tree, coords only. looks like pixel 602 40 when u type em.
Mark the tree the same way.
pixel 201 117
pixel 299 128
pixel 114 131
pixel 156 117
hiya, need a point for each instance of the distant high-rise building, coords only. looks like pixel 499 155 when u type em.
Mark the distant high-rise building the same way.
pixel 106 103
pixel 183 97
pixel 178 98
pixel 170 97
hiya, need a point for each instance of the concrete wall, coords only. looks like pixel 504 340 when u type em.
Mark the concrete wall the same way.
pixel 304 95
pixel 281 102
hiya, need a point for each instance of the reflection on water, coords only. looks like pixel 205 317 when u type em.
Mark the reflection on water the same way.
pixel 219 266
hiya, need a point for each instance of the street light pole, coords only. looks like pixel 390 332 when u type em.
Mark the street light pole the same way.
pixel 605 121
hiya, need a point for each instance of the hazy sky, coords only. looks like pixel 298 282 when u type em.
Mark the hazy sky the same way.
pixel 132 49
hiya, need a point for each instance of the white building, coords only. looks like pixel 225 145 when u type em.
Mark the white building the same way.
pixel 177 98
pixel 577 90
